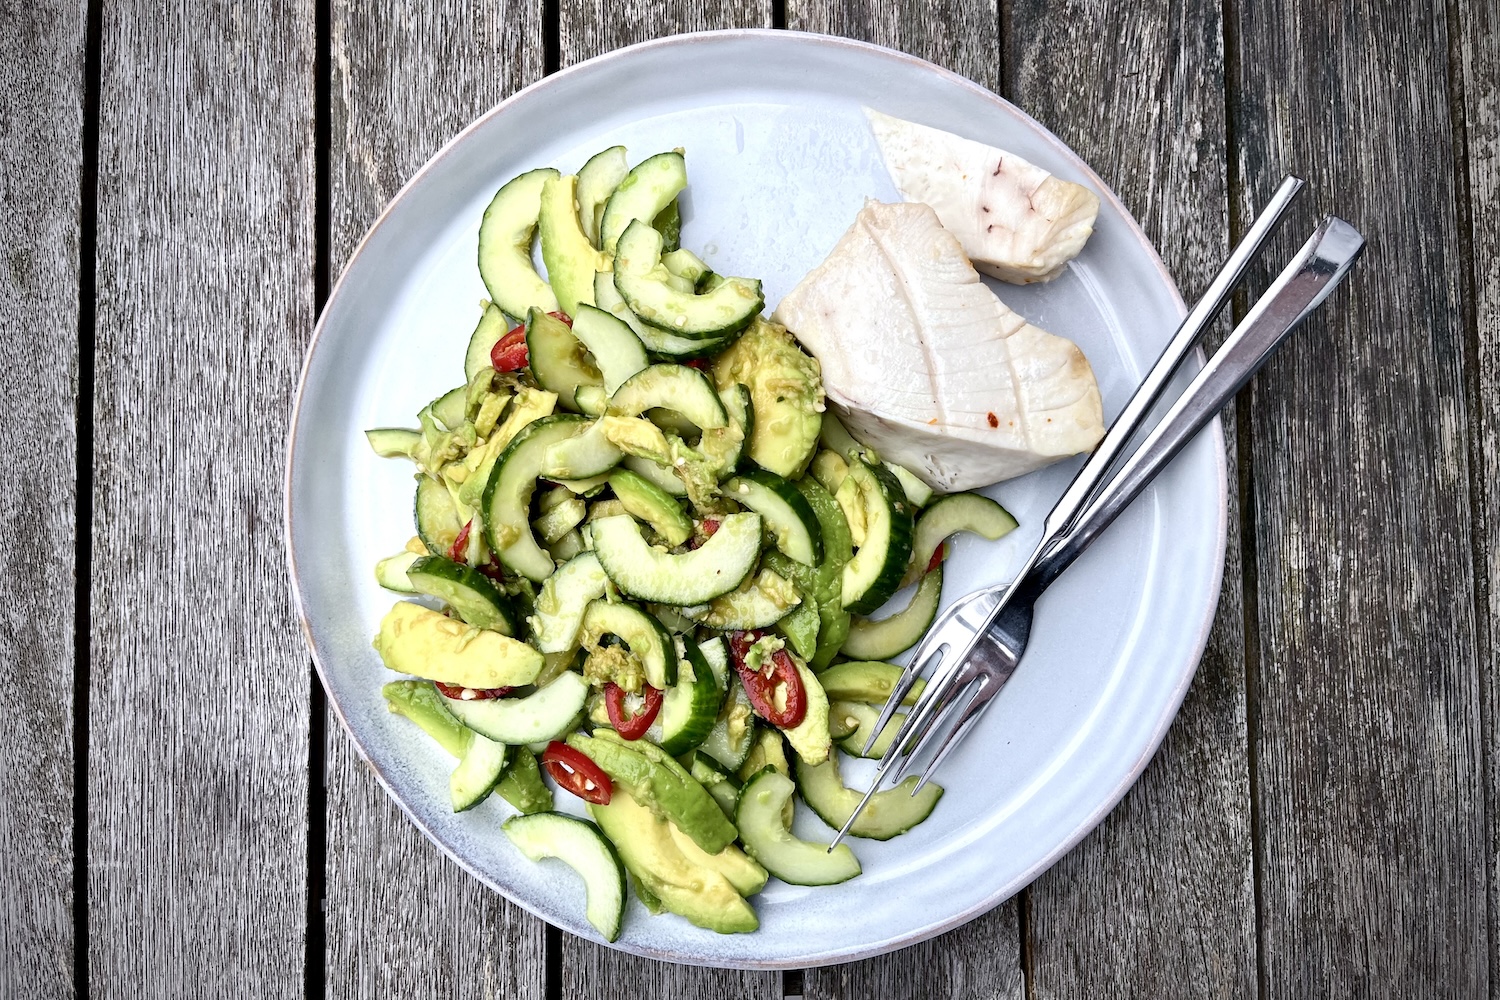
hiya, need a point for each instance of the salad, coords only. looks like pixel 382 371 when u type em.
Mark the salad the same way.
pixel 643 561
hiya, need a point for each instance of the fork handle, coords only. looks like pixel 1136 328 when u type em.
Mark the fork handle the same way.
pixel 1322 263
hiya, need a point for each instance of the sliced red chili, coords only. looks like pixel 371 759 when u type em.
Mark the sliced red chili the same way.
pixel 492 569
pixel 461 693
pixel 509 352
pixel 573 770
pixel 631 727
pixel 562 316
pixel 699 363
pixel 937 557
pixel 459 550
pixel 760 685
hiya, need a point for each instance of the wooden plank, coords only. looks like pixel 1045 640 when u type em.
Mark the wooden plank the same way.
pixel 983 958
pixel 401 920
pixel 1172 866
pixel 197 798
pixel 1367 734
pixel 588 28
pixel 1478 74
pixel 41 108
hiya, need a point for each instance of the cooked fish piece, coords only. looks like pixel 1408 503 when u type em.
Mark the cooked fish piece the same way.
pixel 923 363
pixel 1016 221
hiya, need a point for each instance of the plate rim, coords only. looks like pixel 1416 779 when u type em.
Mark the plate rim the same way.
pixel 1215 429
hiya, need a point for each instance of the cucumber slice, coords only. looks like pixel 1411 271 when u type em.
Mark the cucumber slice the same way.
pixel 597 180
pixel 591 399
pixel 834 436
pixel 859 719
pixel 957 512
pixel 507 496
pixel 918 492
pixel 761 601
pixel 648 640
pixel 560 520
pixel 785 510
pixel 393 442
pixel 690 707
pixel 656 474
pixel 892 636
pixel 695 577
pixel 670 387
pixel 390 572
pixel 642 195
pixel 578 844
pixel 477 773
pixel 452 407
pixel 716 655
pixel 464 589
pixel 730 740
pixel 566 547
pixel 660 342
pixel 874 574
pixel 492 326
pixel 642 281
pixel 582 457
pixel 891 812
pixel 557 617
pixel 616 349
pixel 652 505
pixel 505 246
pixel 686 265
pixel 721 784
pixel 549 713
pixel 558 359
pixel 567 251
pixel 590 487
pixel 436 514
pixel 866 681
pixel 764 833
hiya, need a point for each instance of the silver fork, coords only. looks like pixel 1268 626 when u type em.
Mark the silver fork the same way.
pixel 975 645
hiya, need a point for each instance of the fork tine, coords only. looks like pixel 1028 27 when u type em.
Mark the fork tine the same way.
pixel 947 690
pixel 983 692
pixel 914 669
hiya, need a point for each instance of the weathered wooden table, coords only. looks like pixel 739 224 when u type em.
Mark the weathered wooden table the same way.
pixel 178 816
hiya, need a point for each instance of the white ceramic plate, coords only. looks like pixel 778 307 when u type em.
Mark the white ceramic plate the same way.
pixel 779 159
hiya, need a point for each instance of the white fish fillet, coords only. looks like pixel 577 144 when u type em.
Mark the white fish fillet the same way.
pixel 924 363
pixel 1016 221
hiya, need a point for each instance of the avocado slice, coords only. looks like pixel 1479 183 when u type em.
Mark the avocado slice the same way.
pixel 661 784
pixel 786 395
pixel 810 737
pixel 419 641
pixel 662 872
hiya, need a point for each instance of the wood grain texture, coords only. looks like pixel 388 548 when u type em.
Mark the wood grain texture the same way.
pixel 1172 866
pixel 1477 73
pixel 983 958
pixel 41 155
pixel 588 28
pixel 1366 723
pixel 198 715
pixel 401 920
